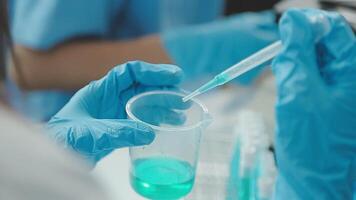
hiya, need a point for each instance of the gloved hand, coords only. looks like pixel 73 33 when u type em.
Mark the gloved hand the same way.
pixel 213 47
pixel 94 122
pixel 316 106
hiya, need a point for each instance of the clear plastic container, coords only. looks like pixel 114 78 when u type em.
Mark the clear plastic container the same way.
pixel 165 169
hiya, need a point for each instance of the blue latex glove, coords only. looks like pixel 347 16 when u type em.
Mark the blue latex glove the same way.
pixel 316 106
pixel 94 122
pixel 213 47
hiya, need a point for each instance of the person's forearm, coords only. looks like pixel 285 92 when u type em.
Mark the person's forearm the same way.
pixel 72 65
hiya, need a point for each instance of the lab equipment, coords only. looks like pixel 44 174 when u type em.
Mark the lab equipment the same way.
pixel 267 173
pixel 316 107
pixel 94 122
pixel 251 141
pixel 209 48
pixel 250 128
pixel 247 174
pixel 240 68
pixel 165 169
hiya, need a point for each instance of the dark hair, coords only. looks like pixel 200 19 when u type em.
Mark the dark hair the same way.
pixel 6 44
pixel 4 35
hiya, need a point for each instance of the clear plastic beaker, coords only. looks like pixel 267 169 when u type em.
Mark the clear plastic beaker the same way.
pixel 165 169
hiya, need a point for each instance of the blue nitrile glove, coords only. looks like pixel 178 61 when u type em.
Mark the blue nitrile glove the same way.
pixel 94 122
pixel 213 47
pixel 316 106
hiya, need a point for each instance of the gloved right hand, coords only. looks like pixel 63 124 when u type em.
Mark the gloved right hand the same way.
pixel 213 47
pixel 316 107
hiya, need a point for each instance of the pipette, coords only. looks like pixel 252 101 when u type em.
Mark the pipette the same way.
pixel 238 69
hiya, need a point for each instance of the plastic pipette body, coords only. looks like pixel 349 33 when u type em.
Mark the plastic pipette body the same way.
pixel 252 61
pixel 240 68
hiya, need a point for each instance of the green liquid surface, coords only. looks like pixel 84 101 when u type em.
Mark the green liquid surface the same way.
pixel 162 178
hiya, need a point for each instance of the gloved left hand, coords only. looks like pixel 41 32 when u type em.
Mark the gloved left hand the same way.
pixel 94 122
pixel 213 47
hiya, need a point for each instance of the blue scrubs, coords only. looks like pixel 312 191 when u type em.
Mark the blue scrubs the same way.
pixel 43 24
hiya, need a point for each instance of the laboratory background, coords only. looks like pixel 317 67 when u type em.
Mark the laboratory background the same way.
pixel 178 99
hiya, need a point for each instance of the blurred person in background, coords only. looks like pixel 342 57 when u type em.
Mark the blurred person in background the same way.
pixel 62 45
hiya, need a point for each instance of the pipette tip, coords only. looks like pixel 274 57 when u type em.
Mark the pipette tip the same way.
pixel 190 96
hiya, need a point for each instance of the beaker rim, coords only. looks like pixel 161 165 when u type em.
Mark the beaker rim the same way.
pixel 181 93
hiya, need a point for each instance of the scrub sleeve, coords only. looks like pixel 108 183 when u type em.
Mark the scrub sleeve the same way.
pixel 43 24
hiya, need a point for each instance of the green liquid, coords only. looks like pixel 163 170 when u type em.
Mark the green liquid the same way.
pixel 245 189
pixel 162 178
